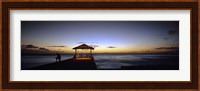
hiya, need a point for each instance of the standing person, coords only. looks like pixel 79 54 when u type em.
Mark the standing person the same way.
pixel 58 57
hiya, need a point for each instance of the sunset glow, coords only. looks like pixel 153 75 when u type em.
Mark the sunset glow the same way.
pixel 104 36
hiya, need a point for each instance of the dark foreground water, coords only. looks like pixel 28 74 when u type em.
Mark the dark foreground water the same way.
pixel 111 61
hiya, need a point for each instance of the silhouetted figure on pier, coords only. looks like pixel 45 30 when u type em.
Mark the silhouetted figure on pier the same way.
pixel 58 57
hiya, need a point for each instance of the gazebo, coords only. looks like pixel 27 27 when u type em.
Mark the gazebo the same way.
pixel 87 55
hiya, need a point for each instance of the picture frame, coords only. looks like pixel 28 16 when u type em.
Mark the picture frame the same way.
pixel 7 84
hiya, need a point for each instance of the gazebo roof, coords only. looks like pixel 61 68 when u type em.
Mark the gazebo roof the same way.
pixel 83 46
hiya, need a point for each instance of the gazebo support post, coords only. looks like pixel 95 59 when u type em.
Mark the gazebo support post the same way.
pixel 75 51
pixel 75 54
pixel 90 51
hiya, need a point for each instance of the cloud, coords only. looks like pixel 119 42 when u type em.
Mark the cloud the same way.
pixel 94 46
pixel 29 46
pixel 111 47
pixel 81 42
pixel 167 48
pixel 166 38
pixel 43 49
pixel 32 49
pixel 172 32
pixel 56 46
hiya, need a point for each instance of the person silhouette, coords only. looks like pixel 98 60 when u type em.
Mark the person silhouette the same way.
pixel 58 57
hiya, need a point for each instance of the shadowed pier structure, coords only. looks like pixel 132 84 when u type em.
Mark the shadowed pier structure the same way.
pixel 80 61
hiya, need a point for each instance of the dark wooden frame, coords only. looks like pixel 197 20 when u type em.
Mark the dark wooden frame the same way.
pixel 7 84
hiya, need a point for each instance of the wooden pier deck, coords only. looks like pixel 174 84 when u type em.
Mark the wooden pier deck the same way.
pixel 68 64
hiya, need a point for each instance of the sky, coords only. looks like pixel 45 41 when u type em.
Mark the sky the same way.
pixel 104 36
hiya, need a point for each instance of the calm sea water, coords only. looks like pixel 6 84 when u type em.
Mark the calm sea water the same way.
pixel 106 61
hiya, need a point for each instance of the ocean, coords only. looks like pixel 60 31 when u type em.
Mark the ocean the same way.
pixel 106 61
